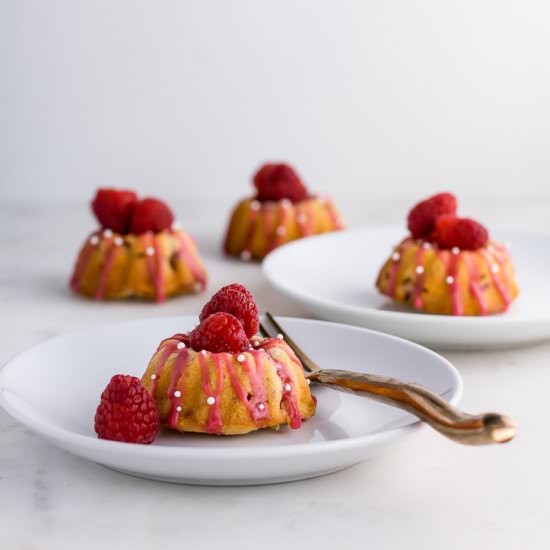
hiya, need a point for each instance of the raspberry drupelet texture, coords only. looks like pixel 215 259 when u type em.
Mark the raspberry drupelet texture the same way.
pixel 219 332
pixel 279 181
pixel 151 215
pixel 127 412
pixel 422 218
pixel 463 233
pixel 238 301
pixel 113 208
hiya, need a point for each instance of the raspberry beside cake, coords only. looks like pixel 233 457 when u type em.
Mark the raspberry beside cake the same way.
pixel 138 253
pixel 281 211
pixel 448 265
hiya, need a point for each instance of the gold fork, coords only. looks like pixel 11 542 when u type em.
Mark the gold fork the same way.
pixel 468 429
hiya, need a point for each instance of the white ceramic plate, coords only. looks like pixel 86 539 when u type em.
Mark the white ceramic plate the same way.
pixel 54 389
pixel 333 276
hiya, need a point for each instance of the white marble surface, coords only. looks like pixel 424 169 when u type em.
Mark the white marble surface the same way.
pixel 427 493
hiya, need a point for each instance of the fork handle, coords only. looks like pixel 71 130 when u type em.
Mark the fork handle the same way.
pixel 468 429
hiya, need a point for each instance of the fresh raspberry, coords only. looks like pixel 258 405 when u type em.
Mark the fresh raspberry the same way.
pixel 279 181
pixel 219 332
pixel 113 208
pixel 126 412
pixel 422 217
pixel 238 301
pixel 151 215
pixel 464 233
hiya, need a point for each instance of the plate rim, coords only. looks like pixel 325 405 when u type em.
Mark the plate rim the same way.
pixel 488 321
pixel 61 435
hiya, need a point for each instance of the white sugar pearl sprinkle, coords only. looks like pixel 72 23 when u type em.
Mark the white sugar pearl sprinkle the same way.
pixel 119 241
pixel 280 336
pixel 203 352
pixel 150 251
pixel 153 376
pixel 211 400
pixel 495 268
pixel 107 233
pixel 490 248
pixel 285 203
pixel 426 245
pixel 281 230
pixel 256 343
pixel 395 256
pixel 255 205
pixel 94 240
pixel 240 358
pixel 308 381
pixel 177 393
pixel 301 218
pixel 287 387
pixel 178 408
pixel 419 269
pixel 246 255
pixel 180 345
pixel 261 406
pixel 455 250
pixel 449 279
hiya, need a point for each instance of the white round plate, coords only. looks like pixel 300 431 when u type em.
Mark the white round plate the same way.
pixel 333 276
pixel 54 389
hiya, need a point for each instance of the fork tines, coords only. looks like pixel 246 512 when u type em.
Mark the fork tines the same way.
pixel 308 363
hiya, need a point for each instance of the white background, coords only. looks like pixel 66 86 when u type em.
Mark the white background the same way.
pixel 376 102
pixel 369 99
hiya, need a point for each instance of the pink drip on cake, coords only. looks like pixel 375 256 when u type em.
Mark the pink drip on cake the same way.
pixel 185 250
pixel 213 395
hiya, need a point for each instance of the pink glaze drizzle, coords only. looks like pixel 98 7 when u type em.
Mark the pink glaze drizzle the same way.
pixel 154 265
pixel 177 383
pixel 169 348
pixel 396 265
pixel 258 416
pixel 331 210
pixel 186 252
pixel 159 272
pixel 305 219
pixel 214 423
pixel 255 372
pixel 269 234
pixel 289 396
pixel 417 295
pixel 278 240
pixel 110 256
pixel 456 297
pixel 503 289
pixel 473 274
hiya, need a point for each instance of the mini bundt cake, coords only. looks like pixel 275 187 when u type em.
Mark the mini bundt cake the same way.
pixel 138 253
pixel 281 211
pixel 448 265
pixel 222 378
pixel 228 393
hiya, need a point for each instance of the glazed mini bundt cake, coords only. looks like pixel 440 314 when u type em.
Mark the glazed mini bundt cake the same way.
pixel 448 265
pixel 137 253
pixel 222 378
pixel 281 211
